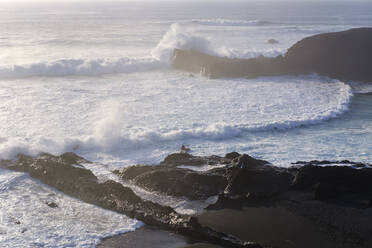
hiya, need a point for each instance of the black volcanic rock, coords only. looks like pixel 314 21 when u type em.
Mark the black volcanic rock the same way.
pixel 232 155
pixel 66 174
pixel 216 67
pixel 168 179
pixel 345 55
pixel 51 204
pixel 176 159
pixel 242 175
pixel 272 41
pixel 341 183
pixel 181 182
pixel 262 182
pixel 335 197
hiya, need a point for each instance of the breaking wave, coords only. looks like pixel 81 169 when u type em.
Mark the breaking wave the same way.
pixel 183 37
pixel 178 36
pixel 221 22
pixel 225 22
pixel 107 135
pixel 82 67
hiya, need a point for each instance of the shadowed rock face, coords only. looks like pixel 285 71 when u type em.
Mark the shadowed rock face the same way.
pixel 216 67
pixel 349 185
pixel 243 181
pixel 242 174
pixel 67 175
pixel 345 55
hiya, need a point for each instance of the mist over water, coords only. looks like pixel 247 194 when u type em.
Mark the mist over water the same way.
pixel 95 78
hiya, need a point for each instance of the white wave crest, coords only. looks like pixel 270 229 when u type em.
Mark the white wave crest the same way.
pixel 226 22
pixel 182 38
pixel 185 37
pixel 110 133
pixel 86 67
pixel 178 36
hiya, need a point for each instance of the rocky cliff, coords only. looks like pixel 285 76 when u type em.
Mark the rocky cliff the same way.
pixel 345 55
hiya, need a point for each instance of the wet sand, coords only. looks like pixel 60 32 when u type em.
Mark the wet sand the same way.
pixel 145 237
pixel 272 226
pixel 152 238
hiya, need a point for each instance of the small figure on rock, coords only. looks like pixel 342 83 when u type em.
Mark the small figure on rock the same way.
pixel 184 149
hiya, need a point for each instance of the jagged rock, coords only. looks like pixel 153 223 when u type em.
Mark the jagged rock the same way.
pixel 272 41
pixel 175 181
pixel 66 174
pixel 131 172
pixel 345 55
pixel 216 67
pixel 256 177
pixel 177 159
pixel 72 158
pixel 244 175
pixel 337 162
pixel 250 181
pixel 181 182
pixel 245 161
pixel 232 155
pixel 230 201
pixel 336 183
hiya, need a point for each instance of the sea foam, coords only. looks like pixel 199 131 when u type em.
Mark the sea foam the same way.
pixel 242 107
pixel 72 224
pixel 179 36
pixel 86 67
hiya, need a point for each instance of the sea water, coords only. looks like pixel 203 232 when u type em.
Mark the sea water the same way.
pixel 95 78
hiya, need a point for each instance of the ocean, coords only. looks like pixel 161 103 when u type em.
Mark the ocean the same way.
pixel 94 78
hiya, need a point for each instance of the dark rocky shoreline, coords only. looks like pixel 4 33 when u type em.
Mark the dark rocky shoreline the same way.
pixel 345 55
pixel 335 199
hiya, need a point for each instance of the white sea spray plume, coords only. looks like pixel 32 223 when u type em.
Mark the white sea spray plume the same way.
pixel 180 37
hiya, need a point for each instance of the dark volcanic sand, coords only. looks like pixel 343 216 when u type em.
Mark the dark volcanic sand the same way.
pixel 145 237
pixel 266 225
pixel 150 237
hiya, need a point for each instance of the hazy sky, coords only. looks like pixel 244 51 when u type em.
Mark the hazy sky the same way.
pixel 227 1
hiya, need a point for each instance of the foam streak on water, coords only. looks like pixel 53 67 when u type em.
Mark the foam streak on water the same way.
pixel 103 123
pixel 27 221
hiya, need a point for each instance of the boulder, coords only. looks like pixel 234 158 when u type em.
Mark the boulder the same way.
pixel 232 155
pixel 336 183
pixel 256 178
pixel 272 41
pixel 177 159
pixel 51 204
pixel 182 182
